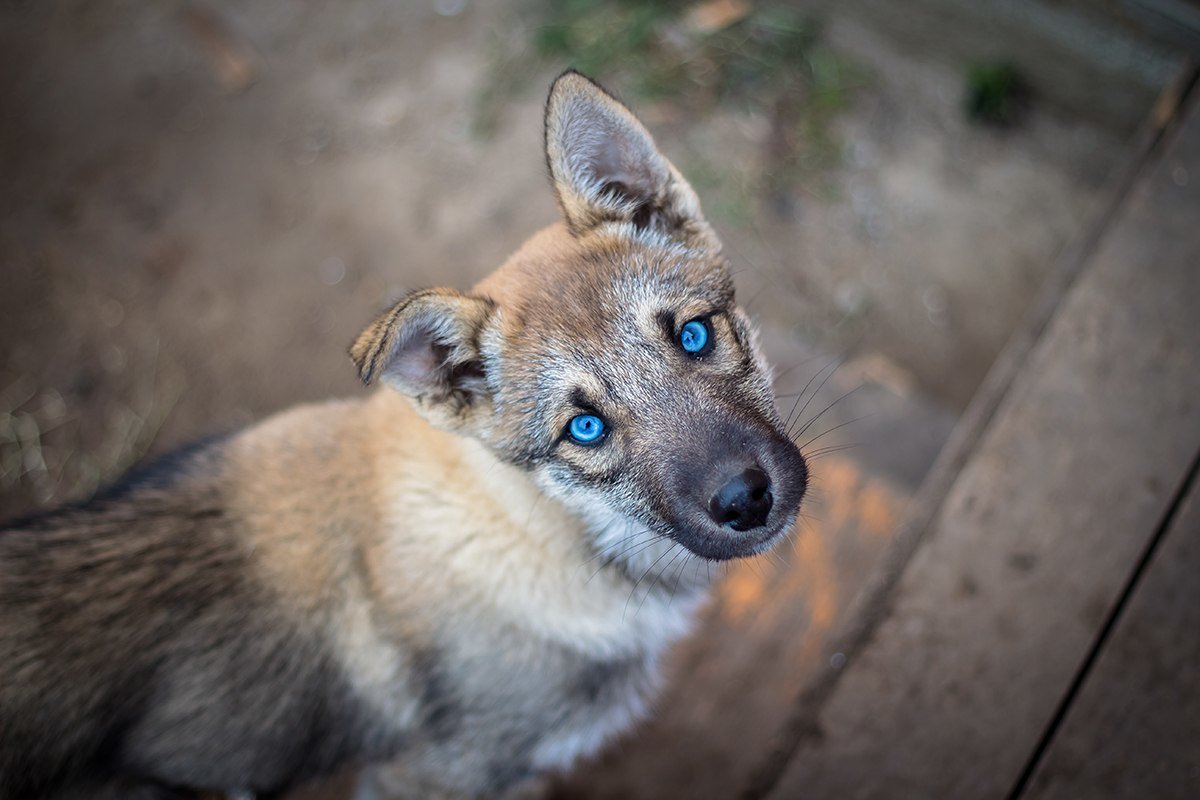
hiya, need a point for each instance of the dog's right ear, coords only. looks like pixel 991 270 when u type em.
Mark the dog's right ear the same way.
pixel 427 346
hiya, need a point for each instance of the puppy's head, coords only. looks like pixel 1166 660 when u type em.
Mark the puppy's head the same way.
pixel 608 356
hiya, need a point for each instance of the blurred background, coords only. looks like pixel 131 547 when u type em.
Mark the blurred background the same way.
pixel 203 202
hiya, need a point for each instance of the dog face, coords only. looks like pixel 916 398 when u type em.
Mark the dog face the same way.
pixel 608 357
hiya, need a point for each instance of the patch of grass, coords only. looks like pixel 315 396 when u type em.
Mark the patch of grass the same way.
pixel 729 191
pixel 996 94
pixel 594 36
pixel 762 58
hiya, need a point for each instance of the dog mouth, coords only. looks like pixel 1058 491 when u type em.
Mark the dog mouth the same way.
pixel 723 544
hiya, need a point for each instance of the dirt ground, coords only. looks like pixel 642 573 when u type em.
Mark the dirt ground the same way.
pixel 183 255
pixel 202 204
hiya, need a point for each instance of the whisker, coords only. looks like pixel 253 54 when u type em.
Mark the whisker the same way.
pixel 640 542
pixel 618 543
pixel 820 452
pixel 809 424
pixel 805 389
pixel 640 545
pixel 648 543
pixel 753 566
pixel 773 556
pixel 792 369
pixel 658 575
pixel 835 365
pixel 675 584
pixel 633 591
pixel 807 528
pixel 780 559
pixel 835 427
pixel 623 543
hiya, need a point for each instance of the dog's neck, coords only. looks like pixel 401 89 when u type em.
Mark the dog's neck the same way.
pixel 589 579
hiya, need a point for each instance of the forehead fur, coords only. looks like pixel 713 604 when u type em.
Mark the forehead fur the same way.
pixel 562 287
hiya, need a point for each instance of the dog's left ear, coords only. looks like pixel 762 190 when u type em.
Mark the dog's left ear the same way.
pixel 427 347
pixel 605 166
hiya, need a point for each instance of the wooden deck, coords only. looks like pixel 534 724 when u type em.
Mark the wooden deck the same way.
pixel 1042 641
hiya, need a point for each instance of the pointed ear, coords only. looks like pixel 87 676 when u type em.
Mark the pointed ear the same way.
pixel 427 346
pixel 605 166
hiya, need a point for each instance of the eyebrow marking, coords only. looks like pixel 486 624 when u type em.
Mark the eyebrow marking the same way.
pixel 666 321
pixel 580 400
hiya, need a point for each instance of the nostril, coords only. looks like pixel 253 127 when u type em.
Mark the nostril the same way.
pixel 743 502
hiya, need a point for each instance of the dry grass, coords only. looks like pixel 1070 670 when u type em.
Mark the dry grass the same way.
pixel 48 451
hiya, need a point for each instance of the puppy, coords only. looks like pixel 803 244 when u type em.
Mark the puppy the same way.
pixel 470 574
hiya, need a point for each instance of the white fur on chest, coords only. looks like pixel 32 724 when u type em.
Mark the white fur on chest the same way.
pixel 653 621
pixel 517 559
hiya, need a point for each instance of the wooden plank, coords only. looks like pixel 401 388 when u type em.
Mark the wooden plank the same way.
pixel 874 599
pixel 997 608
pixel 1134 730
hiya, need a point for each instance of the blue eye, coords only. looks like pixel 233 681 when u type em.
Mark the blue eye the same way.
pixel 694 336
pixel 586 429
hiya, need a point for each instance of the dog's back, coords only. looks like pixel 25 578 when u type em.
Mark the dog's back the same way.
pixel 140 638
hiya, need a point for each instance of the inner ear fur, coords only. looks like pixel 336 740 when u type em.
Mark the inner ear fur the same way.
pixel 427 346
pixel 605 166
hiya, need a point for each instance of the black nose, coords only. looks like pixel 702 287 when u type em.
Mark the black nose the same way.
pixel 743 502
